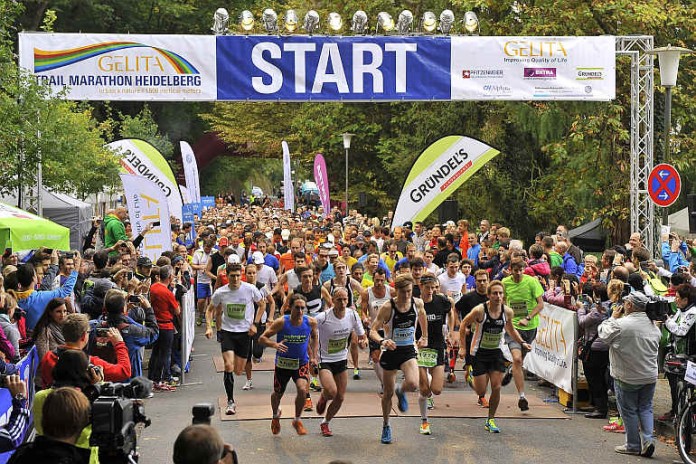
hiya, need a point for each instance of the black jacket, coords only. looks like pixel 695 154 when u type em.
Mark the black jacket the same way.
pixel 43 449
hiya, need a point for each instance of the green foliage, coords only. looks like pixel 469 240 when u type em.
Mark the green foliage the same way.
pixel 142 126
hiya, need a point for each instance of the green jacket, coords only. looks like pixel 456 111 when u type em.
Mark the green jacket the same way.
pixel 114 230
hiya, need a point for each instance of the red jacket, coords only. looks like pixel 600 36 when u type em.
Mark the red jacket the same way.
pixel 119 372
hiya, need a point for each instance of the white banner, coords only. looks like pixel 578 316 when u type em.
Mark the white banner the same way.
pixel 190 173
pixel 185 195
pixel 533 68
pixel 288 190
pixel 147 204
pixel 188 326
pixel 553 349
pixel 142 159
pixel 122 66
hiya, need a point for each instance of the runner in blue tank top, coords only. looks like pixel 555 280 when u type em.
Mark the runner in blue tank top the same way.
pixel 295 343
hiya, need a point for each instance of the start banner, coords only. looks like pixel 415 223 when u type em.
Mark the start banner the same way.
pixel 323 68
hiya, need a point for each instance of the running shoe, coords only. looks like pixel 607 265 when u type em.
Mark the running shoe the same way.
pixel 248 385
pixel 275 423
pixel 468 377
pixel 483 401
pixel 231 408
pixel 425 428
pixel 491 426
pixel 386 434
pixel 523 404
pixel 299 427
pixel 314 384
pixel 325 430
pixel 508 375
pixel 431 402
pixel 403 401
pixel 356 374
pixel 622 449
pixel 308 405
pixel 321 405
pixel 451 377
pixel 199 321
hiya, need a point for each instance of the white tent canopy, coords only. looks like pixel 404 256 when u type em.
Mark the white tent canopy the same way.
pixel 679 222
pixel 65 210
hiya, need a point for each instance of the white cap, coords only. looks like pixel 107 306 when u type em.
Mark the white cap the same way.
pixel 233 259
pixel 285 234
pixel 257 257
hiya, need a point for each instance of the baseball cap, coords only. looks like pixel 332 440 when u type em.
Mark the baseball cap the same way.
pixel 638 299
pixel 144 261
pixel 449 224
pixel 257 256
pixel 409 224
pixel 285 234
pixel 223 241
pixel 176 259
pixel 333 252
pixel 233 259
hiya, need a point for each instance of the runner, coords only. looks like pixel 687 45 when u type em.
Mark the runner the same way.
pixel 236 325
pixel 439 309
pixel 399 317
pixel 452 282
pixel 377 295
pixel 204 278
pixel 296 344
pixel 491 319
pixel 256 351
pixel 335 328
pixel 343 280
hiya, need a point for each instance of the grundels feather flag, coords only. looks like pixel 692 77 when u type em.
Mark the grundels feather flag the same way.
pixel 437 173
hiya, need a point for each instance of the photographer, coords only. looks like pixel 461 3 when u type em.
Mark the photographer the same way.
pixel 674 252
pixel 12 433
pixel 202 444
pixel 633 341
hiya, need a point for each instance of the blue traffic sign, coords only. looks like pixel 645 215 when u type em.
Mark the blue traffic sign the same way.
pixel 664 185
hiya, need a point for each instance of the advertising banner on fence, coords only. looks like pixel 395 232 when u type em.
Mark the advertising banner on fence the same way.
pixel 193 183
pixel 139 158
pixel 321 178
pixel 325 68
pixel 553 349
pixel 288 188
pixel 533 68
pixel 122 66
pixel 147 204
pixel 437 173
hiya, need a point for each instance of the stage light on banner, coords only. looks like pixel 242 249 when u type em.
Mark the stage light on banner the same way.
pixel 193 183
pixel 142 159
pixel 321 178
pixel 437 173
pixel 288 190
pixel 147 204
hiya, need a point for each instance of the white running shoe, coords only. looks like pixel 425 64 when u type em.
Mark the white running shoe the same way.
pixel 248 385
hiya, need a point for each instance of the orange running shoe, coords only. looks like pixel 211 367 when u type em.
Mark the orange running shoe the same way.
pixel 308 405
pixel 483 402
pixel 275 423
pixel 299 427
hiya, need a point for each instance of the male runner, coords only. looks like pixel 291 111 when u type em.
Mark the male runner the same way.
pixel 523 293
pixel 342 279
pixel 296 343
pixel 464 306
pixel 236 325
pixel 491 319
pixel 376 295
pixel 399 318
pixel 439 310
pixel 204 277
pixel 256 350
pixel 452 282
pixel 335 327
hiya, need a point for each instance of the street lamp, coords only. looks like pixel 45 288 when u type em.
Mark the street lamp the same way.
pixel 346 144
pixel 668 58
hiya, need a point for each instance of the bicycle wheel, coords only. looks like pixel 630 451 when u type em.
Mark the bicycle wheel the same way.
pixel 686 432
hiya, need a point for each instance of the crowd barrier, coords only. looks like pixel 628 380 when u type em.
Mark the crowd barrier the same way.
pixel 188 330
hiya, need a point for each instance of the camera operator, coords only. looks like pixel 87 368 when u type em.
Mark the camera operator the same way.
pixel 76 334
pixel 633 341
pixel 12 433
pixel 135 335
pixel 202 444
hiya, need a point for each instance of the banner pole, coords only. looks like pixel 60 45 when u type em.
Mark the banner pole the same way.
pixel 576 330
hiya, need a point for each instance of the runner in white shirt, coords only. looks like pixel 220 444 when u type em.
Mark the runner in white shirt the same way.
pixel 335 327
pixel 453 282
pixel 203 277
pixel 237 321
pixel 377 295
pixel 264 274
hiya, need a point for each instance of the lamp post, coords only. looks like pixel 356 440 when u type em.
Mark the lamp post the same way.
pixel 346 144
pixel 668 58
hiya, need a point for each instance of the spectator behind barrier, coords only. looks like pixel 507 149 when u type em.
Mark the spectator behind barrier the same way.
pixel 12 433
pixel 66 413
pixel 202 444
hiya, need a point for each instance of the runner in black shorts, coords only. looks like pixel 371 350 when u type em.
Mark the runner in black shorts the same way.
pixel 492 320
pixel 256 348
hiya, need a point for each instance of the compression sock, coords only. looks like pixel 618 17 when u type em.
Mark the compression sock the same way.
pixel 229 385
pixel 521 394
pixel 423 406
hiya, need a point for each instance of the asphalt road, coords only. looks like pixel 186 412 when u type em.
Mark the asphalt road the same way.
pixel 571 440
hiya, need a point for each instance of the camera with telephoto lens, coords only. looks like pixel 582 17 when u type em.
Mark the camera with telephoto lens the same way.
pixel 658 309
pixel 116 411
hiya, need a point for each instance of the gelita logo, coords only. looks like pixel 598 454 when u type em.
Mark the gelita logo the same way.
pixel 111 58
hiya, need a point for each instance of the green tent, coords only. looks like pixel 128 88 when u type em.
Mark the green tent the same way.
pixel 21 230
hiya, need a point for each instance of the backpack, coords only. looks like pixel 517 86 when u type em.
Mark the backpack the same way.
pixel 655 283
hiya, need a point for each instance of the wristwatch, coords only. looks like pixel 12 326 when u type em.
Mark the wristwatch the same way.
pixel 528 317
pixel 20 397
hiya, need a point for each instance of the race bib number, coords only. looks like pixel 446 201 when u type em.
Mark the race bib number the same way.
pixel 404 336
pixel 491 341
pixel 288 363
pixel 236 311
pixel 519 308
pixel 336 345
pixel 427 357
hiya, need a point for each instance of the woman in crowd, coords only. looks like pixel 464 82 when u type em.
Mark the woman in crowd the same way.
pixel 48 334
pixel 8 306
